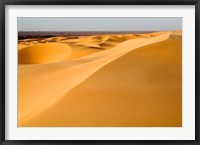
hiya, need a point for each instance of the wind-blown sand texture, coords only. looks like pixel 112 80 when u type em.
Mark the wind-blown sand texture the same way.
pixel 124 80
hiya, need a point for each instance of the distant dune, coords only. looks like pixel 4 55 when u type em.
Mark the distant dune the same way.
pixel 126 80
pixel 43 53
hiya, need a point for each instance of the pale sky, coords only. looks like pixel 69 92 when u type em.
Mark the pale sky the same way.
pixel 99 24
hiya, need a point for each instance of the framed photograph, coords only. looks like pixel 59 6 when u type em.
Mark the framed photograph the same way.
pixel 100 72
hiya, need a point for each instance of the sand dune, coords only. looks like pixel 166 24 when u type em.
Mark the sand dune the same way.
pixel 136 83
pixel 99 41
pixel 43 53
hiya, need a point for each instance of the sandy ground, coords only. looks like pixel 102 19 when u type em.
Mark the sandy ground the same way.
pixel 102 80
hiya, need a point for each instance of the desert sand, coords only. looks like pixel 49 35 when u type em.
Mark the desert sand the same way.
pixel 116 80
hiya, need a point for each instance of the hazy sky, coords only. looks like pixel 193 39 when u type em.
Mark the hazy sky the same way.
pixel 98 24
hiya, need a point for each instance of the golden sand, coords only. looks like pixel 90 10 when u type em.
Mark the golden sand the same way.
pixel 121 80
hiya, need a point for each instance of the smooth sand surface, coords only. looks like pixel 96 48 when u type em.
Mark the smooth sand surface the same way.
pixel 106 80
